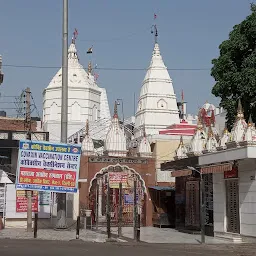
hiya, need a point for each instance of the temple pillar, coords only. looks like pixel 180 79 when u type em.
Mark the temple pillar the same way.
pixel 100 197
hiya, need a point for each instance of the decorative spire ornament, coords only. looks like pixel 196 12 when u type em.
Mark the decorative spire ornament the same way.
pixel 240 113
pixel 75 34
pixel 90 68
pixel 181 140
pixel 250 122
pixel 115 111
pixel 87 127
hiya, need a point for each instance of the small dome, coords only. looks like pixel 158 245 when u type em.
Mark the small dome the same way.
pixel 208 106
pixel 198 141
pixel 211 144
pixel 240 126
pixel 181 151
pixel 87 146
pixel 144 147
pixel 225 138
pixel 250 133
pixel 115 143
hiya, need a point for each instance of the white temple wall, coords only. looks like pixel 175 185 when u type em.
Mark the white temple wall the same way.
pixel 219 202
pixel 83 104
pixel 247 197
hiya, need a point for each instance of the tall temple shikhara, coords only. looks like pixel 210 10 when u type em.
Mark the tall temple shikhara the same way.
pixel 157 104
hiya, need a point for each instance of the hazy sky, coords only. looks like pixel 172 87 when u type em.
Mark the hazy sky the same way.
pixel 189 35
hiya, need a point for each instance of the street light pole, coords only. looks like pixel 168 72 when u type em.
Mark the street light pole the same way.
pixel 61 208
pixel 202 208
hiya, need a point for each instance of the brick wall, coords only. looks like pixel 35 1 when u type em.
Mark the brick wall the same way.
pixel 14 124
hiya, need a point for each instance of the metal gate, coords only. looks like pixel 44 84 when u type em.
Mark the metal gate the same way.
pixel 98 202
pixel 232 204
pixel 192 218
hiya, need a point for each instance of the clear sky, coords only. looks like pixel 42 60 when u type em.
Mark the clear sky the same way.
pixel 189 35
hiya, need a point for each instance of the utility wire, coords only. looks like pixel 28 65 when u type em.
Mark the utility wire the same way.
pixel 106 69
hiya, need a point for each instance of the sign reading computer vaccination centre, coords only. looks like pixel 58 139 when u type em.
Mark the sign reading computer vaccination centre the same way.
pixel 45 166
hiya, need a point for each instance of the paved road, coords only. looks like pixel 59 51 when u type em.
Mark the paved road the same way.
pixel 9 247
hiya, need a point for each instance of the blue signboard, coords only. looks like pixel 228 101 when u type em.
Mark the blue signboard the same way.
pixel 46 166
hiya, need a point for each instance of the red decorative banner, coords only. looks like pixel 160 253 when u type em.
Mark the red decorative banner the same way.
pixel 47 177
pixel 116 177
pixel 22 202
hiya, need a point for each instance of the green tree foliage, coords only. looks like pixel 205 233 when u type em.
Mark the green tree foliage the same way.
pixel 235 70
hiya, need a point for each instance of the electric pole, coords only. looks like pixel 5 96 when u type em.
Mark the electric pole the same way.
pixel 27 126
pixel 61 208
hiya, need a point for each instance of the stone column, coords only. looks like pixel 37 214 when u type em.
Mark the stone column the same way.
pixel 100 197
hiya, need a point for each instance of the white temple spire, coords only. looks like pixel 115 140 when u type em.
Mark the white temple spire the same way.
pixel 250 133
pixel 115 143
pixel 225 138
pixel 211 144
pixel 239 128
pixel 87 146
pixel 144 146
pixel 157 104
pixel 197 145
pixel 181 151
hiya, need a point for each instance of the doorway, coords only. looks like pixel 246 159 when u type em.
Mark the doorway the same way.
pixel 192 219
pixel 232 206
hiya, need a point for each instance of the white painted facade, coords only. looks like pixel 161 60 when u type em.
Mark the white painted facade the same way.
pixel 247 202
pixel 246 190
pixel 157 104
pixel 85 99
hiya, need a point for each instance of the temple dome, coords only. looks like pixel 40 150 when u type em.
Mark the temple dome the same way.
pixel 224 139
pixel 144 147
pixel 197 145
pixel 77 76
pixel 115 142
pixel 250 133
pixel 238 131
pixel 87 146
pixel 211 144
pixel 85 99
pixel 181 151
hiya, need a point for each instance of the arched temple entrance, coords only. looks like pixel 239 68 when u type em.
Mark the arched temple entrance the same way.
pixel 113 175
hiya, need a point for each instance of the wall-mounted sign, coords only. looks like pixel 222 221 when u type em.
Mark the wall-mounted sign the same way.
pixel 46 166
pixel 22 202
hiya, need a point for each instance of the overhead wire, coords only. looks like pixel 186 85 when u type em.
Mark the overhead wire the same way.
pixel 105 68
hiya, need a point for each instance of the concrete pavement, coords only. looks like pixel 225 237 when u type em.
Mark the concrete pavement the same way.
pixel 51 234
pixel 166 235
pixel 25 247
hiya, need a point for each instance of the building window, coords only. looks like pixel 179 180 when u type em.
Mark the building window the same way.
pixel 162 104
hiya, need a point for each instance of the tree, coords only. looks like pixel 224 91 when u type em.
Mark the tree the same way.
pixel 235 70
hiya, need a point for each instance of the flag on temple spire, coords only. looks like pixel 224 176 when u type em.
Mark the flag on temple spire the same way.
pixel 89 50
pixel 96 76
pixel 75 33
pixel 155 16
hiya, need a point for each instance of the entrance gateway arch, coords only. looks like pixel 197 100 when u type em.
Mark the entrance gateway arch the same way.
pixel 98 195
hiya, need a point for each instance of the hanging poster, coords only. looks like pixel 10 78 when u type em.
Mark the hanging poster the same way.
pixel 118 177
